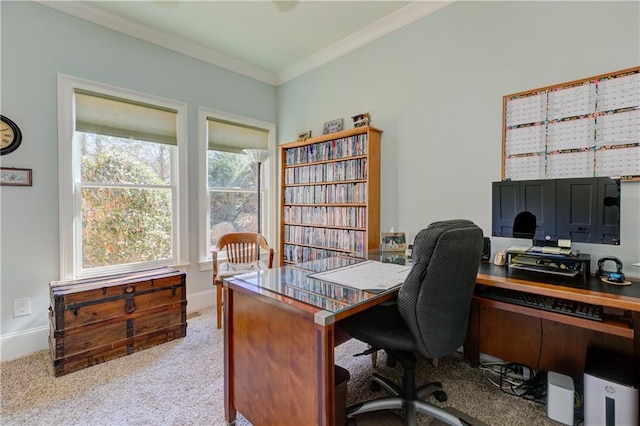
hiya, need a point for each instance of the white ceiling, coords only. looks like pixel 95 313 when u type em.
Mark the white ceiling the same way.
pixel 271 41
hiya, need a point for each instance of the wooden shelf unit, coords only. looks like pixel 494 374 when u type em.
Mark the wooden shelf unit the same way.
pixel 330 195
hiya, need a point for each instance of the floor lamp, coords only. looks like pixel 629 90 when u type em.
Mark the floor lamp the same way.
pixel 258 156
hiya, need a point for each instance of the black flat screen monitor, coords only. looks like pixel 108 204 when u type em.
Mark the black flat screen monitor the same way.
pixel 584 210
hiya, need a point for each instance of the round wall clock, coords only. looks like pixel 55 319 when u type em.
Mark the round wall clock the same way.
pixel 10 135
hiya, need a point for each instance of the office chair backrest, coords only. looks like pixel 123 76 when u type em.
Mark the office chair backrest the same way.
pixel 435 298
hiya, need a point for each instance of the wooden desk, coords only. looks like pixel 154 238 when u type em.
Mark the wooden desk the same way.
pixel 279 339
pixel 280 333
pixel 550 341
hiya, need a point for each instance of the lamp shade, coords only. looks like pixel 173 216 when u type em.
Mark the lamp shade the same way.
pixel 258 155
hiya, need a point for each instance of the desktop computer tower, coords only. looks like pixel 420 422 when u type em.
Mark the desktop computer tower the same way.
pixel 610 392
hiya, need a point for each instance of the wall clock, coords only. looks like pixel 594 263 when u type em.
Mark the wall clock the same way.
pixel 10 135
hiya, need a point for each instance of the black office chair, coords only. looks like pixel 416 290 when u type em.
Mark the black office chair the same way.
pixel 430 317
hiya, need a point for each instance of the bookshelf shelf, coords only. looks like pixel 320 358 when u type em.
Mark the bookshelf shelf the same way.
pixel 317 225
pixel 315 163
pixel 328 182
pixel 335 250
pixel 330 195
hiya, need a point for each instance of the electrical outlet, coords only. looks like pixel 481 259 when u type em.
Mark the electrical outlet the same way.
pixel 22 307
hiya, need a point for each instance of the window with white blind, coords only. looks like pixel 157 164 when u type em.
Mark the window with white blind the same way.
pixel 229 177
pixel 122 179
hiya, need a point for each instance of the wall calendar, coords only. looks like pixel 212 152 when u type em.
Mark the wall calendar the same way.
pixel 584 128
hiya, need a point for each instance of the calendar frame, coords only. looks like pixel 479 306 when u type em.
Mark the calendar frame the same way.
pixel 583 128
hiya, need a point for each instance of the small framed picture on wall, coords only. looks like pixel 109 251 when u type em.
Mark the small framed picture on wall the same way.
pixel 10 176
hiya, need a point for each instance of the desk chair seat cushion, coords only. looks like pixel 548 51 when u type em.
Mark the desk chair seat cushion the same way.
pixel 381 327
pixel 228 269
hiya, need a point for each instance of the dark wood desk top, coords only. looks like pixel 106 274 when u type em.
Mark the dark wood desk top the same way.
pixel 592 291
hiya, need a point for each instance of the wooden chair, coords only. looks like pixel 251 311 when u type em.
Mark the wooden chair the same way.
pixel 243 255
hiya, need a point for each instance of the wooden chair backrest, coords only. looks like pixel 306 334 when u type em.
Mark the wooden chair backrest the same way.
pixel 244 247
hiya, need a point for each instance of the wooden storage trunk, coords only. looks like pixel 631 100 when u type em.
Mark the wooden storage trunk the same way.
pixel 98 319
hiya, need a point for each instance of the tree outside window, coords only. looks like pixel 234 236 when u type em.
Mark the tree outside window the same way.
pixel 232 193
pixel 126 203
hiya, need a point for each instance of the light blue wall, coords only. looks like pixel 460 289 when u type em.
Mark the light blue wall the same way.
pixel 435 88
pixel 39 42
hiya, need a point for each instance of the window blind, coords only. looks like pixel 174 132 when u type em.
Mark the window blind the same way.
pixel 233 137
pixel 111 116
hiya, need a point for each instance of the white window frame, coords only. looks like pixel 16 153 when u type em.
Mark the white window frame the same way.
pixel 269 180
pixel 69 177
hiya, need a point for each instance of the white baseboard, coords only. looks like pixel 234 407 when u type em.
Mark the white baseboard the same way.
pixel 23 343
pixel 200 300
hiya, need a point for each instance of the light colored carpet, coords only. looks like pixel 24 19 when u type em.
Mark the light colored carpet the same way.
pixel 181 383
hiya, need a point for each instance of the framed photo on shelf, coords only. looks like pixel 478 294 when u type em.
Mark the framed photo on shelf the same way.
pixel 10 176
pixel 395 257
pixel 393 241
pixel 304 136
pixel 332 126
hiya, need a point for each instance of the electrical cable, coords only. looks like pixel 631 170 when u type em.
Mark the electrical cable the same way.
pixel 509 377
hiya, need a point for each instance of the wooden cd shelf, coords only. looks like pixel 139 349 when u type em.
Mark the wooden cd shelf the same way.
pixel 330 195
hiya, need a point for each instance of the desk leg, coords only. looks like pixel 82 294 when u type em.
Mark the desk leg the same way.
pixel 635 318
pixel 472 340
pixel 229 408
pixel 326 382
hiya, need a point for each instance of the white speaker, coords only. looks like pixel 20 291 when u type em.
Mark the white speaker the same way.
pixel 560 397
pixel 610 394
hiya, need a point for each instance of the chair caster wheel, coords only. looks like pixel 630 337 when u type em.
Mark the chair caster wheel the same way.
pixel 440 396
pixel 374 386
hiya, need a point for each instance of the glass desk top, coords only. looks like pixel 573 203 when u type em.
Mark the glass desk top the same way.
pixel 294 281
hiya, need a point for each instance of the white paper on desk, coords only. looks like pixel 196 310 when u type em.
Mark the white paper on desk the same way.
pixel 369 275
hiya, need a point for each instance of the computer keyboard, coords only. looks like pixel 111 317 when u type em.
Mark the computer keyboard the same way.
pixel 546 269
pixel 547 303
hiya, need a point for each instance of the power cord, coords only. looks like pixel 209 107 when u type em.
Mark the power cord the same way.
pixel 578 405
pixel 517 380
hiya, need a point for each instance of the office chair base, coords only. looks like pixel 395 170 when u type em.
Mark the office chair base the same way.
pixel 409 407
pixel 435 388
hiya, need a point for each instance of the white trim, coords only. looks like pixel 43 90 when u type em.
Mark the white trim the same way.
pixel 404 16
pixel 200 300
pixel 270 204
pixel 15 345
pixel 67 187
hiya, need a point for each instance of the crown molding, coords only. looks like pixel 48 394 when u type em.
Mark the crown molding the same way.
pixel 87 12
pixel 400 18
pixel 394 21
